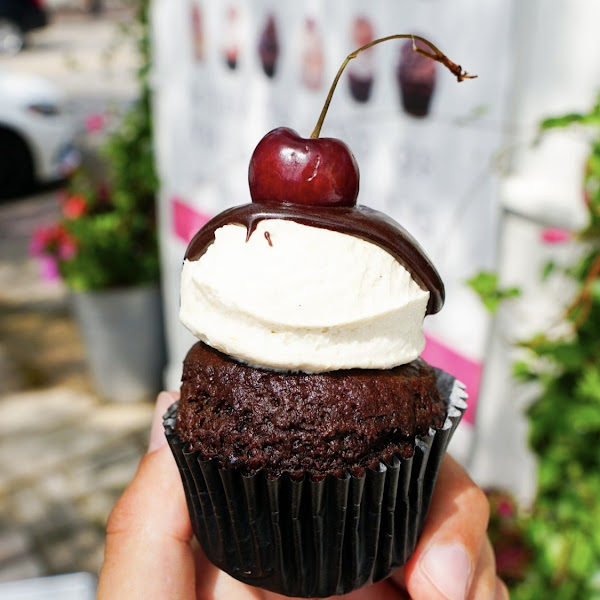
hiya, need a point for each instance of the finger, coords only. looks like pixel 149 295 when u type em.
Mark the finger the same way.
pixel 382 590
pixel 148 553
pixel 157 431
pixel 214 584
pixel 443 564
pixel 501 590
pixel 483 585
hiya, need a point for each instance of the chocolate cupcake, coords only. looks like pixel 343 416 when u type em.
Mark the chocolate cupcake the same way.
pixel 360 70
pixel 416 76
pixel 231 37
pixel 309 433
pixel 254 419
pixel 314 535
pixel 312 58
pixel 268 47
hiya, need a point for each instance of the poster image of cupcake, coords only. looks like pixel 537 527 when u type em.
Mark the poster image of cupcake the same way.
pixel 416 75
pixel 197 32
pixel 232 36
pixel 268 47
pixel 360 69
pixel 312 55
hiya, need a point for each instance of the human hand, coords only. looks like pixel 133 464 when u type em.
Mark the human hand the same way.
pixel 150 552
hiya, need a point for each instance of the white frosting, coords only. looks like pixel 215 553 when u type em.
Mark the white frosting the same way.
pixel 312 300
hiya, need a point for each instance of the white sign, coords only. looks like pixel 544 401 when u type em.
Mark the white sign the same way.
pixel 228 72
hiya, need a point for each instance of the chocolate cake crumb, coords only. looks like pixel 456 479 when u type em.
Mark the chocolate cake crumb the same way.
pixel 324 423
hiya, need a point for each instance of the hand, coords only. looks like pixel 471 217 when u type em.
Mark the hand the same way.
pixel 150 553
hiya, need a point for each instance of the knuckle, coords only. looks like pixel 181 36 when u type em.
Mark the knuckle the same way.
pixel 123 515
pixel 479 505
pixel 119 517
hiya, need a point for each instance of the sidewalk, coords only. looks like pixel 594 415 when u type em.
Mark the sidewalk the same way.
pixel 65 455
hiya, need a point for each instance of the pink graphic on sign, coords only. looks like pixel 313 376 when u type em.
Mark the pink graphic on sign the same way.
pixel 466 370
pixel 556 235
pixel 186 220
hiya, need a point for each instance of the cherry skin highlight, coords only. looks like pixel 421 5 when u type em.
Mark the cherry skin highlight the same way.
pixel 288 169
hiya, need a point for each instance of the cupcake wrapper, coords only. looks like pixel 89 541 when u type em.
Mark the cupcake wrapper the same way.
pixel 315 539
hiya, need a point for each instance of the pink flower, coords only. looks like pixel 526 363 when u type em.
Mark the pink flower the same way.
pixel 555 235
pixel 54 241
pixel 505 509
pixel 48 268
pixel 67 247
pixel 37 245
pixel 95 122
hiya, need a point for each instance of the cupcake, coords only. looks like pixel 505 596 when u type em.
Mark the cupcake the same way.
pixel 232 35
pixel 416 75
pixel 198 41
pixel 360 70
pixel 312 59
pixel 268 47
pixel 309 432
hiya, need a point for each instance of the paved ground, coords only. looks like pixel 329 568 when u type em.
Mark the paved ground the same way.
pixel 65 455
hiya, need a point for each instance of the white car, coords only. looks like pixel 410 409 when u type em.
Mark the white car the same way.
pixel 37 133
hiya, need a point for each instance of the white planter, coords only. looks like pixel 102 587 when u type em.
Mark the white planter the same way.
pixel 124 339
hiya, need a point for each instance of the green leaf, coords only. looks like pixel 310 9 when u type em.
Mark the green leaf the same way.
pixel 120 228
pixel 569 356
pixel 562 121
pixel 588 385
pixel 523 371
pixel 548 269
pixel 581 557
pixel 485 285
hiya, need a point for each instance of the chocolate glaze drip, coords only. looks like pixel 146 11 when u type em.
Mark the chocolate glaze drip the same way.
pixel 360 221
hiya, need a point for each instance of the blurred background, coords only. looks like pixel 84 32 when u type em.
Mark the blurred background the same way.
pixel 66 452
pixel 126 124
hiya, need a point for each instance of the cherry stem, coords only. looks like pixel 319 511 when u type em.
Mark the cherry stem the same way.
pixel 435 54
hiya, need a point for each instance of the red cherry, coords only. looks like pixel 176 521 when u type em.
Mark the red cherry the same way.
pixel 288 169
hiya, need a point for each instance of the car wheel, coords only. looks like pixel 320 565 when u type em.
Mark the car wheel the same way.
pixel 12 37
pixel 16 166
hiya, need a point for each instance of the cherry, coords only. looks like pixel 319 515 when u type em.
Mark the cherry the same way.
pixel 288 169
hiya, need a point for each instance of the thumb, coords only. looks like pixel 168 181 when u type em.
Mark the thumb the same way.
pixel 148 553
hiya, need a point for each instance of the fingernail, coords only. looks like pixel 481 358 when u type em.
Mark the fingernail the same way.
pixel 157 433
pixel 448 568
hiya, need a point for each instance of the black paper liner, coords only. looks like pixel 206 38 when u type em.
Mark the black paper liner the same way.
pixel 315 539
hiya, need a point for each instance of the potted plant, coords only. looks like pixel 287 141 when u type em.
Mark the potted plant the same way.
pixel 105 248
pixel 561 527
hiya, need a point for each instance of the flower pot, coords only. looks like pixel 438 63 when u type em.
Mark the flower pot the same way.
pixel 124 339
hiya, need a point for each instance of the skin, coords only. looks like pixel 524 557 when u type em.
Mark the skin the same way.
pixel 151 554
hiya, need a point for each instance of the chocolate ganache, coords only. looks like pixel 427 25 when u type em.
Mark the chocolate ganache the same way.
pixel 359 221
